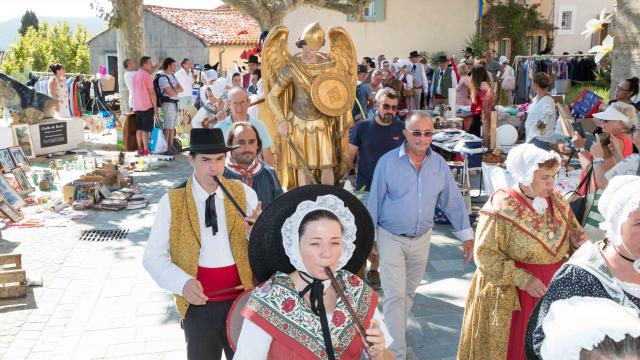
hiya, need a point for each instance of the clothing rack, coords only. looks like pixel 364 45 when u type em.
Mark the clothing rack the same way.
pixel 49 73
pixel 541 57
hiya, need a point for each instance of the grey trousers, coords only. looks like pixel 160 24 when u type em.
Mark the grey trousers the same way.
pixel 417 95
pixel 403 261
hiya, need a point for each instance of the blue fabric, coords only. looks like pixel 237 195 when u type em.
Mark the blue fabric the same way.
pixel 265 183
pixel 263 132
pixel 403 199
pixel 373 140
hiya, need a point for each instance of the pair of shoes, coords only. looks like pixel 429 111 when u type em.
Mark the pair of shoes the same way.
pixel 373 278
pixel 140 152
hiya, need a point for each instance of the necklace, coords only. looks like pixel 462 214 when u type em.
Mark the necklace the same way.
pixel 525 194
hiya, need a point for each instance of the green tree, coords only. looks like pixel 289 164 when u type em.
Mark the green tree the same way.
pixel 37 48
pixel 513 21
pixel 28 19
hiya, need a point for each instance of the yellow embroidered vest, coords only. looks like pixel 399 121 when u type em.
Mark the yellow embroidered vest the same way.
pixel 185 234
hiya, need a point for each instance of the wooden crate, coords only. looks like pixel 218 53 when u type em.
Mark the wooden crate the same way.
pixel 13 280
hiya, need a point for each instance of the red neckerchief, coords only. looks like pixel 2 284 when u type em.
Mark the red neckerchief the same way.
pixel 246 175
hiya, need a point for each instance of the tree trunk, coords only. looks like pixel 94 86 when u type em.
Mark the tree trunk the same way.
pixel 269 13
pixel 625 58
pixel 130 38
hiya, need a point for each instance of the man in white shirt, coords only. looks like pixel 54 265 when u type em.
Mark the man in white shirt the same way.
pixel 130 70
pixel 239 105
pixel 198 247
pixel 443 79
pixel 419 78
pixel 185 77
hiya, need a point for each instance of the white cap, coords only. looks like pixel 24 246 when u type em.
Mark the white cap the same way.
pixel 402 63
pixel 503 59
pixel 211 75
pixel 611 114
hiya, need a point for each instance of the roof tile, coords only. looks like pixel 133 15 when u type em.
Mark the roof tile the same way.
pixel 220 26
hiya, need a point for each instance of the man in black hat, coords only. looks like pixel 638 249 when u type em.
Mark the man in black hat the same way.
pixel 419 75
pixel 443 79
pixel 252 65
pixel 198 247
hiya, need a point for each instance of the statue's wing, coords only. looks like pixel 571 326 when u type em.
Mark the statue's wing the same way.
pixel 343 51
pixel 275 55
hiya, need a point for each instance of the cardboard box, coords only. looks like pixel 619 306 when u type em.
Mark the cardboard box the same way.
pixel 67 192
pixel 110 176
pixel 108 167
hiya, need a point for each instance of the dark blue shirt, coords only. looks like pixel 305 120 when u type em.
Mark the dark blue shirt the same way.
pixel 373 140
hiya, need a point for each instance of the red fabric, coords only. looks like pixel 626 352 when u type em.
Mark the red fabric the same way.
pixel 520 318
pixel 455 68
pixel 217 279
pixel 477 102
pixel 246 80
pixel 627 150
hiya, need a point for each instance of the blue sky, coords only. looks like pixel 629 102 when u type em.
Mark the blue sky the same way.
pixel 82 8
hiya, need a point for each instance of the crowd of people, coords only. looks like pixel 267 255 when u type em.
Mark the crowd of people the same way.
pixel 535 267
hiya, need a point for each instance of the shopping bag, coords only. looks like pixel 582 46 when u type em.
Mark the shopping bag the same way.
pixel 594 218
pixel 158 143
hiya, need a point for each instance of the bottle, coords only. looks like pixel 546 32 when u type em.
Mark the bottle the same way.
pixel 121 158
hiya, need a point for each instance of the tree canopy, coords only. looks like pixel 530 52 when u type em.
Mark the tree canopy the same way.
pixel 28 19
pixel 58 43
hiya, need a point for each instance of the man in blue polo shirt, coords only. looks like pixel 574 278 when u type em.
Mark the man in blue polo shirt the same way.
pixel 369 140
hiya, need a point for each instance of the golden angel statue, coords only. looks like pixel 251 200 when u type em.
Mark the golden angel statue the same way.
pixel 309 97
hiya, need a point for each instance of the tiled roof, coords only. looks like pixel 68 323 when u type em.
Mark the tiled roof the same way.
pixel 220 26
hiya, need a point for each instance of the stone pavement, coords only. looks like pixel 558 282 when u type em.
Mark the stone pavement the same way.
pixel 98 302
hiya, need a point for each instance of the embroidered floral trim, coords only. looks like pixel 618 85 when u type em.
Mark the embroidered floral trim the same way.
pixel 277 302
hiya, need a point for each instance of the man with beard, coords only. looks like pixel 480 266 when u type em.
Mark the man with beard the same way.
pixel 371 139
pixel 243 163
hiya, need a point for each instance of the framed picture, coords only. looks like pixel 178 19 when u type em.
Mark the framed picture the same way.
pixel 6 161
pixel 19 158
pixel 22 136
pixel 9 211
pixel 22 179
pixel 10 194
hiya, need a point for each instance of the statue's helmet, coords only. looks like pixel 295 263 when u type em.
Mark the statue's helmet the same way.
pixel 313 36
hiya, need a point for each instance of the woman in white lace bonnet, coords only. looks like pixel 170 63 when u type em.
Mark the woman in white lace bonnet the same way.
pixel 296 313
pixel 607 269
pixel 523 236
pixel 587 328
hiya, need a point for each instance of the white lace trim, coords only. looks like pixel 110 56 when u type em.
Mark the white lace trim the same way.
pixel 582 323
pixel 291 240
pixel 523 160
pixel 618 201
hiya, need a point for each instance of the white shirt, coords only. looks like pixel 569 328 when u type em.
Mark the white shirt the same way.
pixel 436 87
pixel 254 343
pixel 128 80
pixel 544 110
pixel 215 250
pixel 185 79
pixel 628 166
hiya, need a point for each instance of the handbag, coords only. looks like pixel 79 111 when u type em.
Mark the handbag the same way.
pixel 578 202
pixel 158 143
pixel 408 93
pixel 509 83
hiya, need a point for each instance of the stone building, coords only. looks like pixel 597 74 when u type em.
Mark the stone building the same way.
pixel 206 36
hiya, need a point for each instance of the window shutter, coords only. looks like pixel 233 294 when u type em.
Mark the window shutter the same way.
pixel 378 7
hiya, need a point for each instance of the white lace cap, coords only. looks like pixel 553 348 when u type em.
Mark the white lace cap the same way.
pixel 617 202
pixel 523 160
pixel 582 323
pixel 291 240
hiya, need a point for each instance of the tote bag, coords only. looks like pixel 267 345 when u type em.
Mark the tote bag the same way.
pixel 158 143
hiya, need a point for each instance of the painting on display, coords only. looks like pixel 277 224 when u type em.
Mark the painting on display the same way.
pixel 9 211
pixel 19 156
pixel 22 137
pixel 6 161
pixel 11 194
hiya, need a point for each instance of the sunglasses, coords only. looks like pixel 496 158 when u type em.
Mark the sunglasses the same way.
pixel 418 133
pixel 392 107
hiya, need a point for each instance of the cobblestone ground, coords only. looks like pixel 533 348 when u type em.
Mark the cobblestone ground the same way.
pixel 98 302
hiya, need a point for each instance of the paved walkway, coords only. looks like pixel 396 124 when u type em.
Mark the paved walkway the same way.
pixel 98 302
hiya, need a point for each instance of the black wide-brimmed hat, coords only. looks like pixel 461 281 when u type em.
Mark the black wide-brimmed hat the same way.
pixel 266 252
pixel 253 59
pixel 413 54
pixel 208 141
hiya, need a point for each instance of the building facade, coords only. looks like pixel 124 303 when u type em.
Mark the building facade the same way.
pixel 206 36
pixel 394 28
pixel 570 19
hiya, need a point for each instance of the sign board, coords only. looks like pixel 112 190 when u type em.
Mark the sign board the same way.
pixel 53 134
